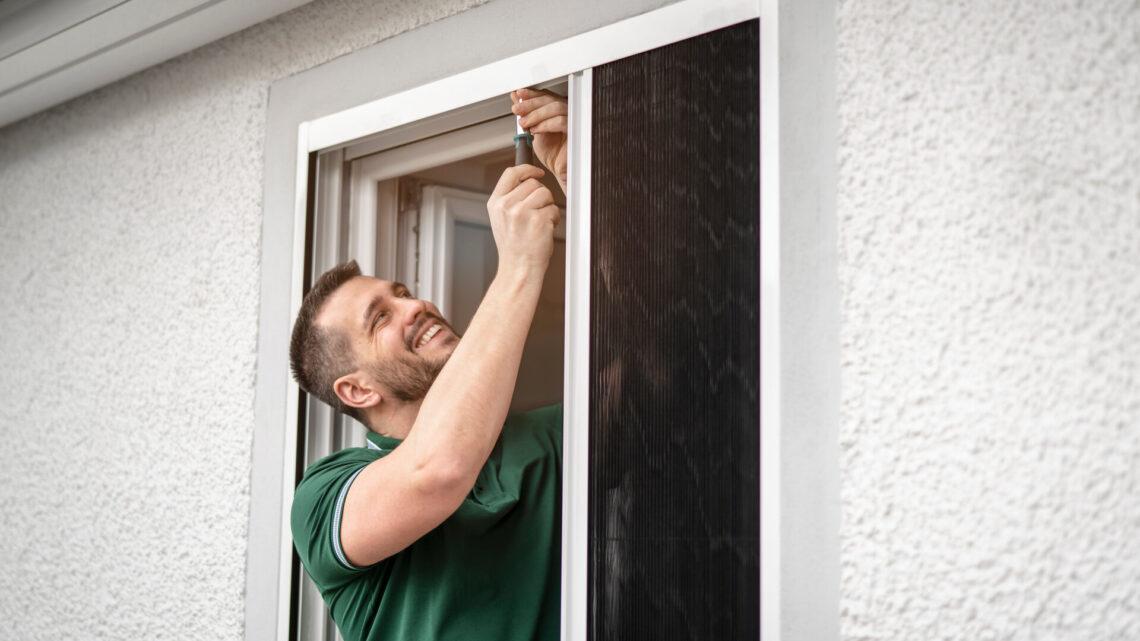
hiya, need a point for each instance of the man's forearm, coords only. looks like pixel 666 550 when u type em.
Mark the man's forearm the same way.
pixel 463 413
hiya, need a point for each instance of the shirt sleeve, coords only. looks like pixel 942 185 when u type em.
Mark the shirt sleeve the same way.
pixel 318 507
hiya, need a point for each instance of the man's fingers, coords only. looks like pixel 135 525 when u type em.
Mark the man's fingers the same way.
pixel 554 212
pixel 549 110
pixel 526 93
pixel 522 192
pixel 538 198
pixel 523 106
pixel 513 176
pixel 553 125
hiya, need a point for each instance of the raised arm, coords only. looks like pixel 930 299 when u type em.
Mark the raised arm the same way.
pixel 401 497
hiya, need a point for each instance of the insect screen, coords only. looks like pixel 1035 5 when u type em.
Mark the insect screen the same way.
pixel 674 353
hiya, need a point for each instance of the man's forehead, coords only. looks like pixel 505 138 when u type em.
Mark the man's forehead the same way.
pixel 348 303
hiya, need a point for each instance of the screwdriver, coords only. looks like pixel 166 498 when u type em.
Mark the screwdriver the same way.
pixel 523 153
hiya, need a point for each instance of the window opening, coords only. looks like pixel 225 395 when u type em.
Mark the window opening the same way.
pixel 410 205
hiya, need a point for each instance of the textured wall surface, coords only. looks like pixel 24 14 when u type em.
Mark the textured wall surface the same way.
pixel 989 228
pixel 129 226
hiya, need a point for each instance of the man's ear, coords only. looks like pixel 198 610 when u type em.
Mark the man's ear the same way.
pixel 355 390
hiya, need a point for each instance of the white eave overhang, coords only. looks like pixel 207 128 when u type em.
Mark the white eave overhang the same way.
pixel 55 50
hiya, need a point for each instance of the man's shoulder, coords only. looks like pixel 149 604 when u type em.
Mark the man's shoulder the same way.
pixel 316 512
pixel 326 475
pixel 348 456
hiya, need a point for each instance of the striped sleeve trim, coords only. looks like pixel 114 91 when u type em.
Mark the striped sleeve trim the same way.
pixel 337 514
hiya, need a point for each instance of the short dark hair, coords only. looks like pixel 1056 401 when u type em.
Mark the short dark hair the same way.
pixel 318 356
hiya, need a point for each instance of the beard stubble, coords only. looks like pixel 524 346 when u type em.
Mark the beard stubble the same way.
pixel 407 376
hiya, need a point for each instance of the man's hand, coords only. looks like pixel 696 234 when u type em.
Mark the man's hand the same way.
pixel 523 217
pixel 544 114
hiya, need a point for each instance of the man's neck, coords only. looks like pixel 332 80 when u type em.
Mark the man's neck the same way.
pixel 394 420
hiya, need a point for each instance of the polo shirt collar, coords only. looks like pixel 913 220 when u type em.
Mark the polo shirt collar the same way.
pixel 381 443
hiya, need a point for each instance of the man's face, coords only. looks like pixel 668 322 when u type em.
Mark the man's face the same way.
pixel 400 343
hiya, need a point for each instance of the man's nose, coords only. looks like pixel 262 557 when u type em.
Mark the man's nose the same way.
pixel 413 309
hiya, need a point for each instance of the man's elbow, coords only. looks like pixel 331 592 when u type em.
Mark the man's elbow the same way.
pixel 447 481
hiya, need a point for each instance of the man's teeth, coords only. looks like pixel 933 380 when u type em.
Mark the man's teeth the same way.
pixel 428 334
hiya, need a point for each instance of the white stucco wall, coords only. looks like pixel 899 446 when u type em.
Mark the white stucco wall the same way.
pixel 989 238
pixel 129 227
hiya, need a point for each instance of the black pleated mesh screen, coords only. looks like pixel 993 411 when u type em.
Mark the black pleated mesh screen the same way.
pixel 674 354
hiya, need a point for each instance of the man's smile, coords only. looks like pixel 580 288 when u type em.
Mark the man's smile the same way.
pixel 425 330
pixel 427 336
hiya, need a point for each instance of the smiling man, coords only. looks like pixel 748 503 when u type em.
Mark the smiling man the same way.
pixel 447 525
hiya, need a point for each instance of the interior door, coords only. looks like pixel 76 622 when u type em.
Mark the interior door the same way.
pixel 457 255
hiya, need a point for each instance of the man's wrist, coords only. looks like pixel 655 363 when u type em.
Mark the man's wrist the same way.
pixel 516 272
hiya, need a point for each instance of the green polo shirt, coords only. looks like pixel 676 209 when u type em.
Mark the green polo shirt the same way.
pixel 490 571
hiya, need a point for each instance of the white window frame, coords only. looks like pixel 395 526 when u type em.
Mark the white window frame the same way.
pixel 437 227
pixel 574 57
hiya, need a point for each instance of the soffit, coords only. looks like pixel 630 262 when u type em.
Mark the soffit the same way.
pixel 55 50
